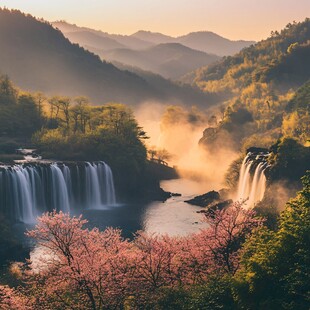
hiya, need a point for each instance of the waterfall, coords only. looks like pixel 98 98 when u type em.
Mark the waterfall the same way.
pixel 258 185
pixel 252 189
pixel 93 195
pixel 59 190
pixel 100 185
pixel 244 178
pixel 106 177
pixel 28 190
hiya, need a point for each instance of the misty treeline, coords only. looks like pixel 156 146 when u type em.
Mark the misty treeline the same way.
pixel 19 113
pixel 64 127
pixel 235 263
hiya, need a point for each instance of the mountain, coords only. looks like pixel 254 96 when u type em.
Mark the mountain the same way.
pixel 39 58
pixel 154 37
pixel 166 86
pixel 260 82
pixel 281 58
pixel 171 60
pixel 204 41
pixel 93 40
pixel 131 42
pixel 212 43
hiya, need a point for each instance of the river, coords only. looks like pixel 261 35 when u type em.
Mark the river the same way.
pixel 174 216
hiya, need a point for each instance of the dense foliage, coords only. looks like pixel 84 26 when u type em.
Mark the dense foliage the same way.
pixel 260 82
pixel 276 264
pixel 20 116
pixel 75 130
pixel 289 160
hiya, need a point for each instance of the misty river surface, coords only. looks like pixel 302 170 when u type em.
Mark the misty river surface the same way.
pixel 174 216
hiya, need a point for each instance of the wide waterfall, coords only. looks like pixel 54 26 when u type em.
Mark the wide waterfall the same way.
pixel 28 190
pixel 252 179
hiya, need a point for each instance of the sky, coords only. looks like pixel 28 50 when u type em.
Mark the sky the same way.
pixel 233 19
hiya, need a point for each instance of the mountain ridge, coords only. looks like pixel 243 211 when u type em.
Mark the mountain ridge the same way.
pixel 37 57
pixel 227 46
pixel 171 60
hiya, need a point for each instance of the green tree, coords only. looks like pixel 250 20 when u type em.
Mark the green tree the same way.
pixel 275 271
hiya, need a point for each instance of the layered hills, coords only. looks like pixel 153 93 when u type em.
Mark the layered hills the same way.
pixel 37 57
pixel 171 60
pixel 169 56
pixel 205 41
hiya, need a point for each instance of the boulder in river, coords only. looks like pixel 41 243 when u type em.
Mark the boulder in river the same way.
pixel 205 199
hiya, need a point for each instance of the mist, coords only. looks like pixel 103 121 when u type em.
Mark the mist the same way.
pixel 279 193
pixel 179 130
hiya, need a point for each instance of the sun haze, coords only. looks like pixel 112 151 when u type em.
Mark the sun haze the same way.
pixel 238 19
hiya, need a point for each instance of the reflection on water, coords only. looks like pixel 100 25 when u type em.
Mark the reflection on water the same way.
pixel 174 216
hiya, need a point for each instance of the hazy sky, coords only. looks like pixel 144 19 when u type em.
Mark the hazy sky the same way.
pixel 234 19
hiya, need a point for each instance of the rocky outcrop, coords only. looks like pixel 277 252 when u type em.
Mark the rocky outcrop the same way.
pixel 205 199
pixel 212 201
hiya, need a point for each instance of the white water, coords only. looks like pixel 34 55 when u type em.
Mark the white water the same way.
pixel 28 190
pixel 251 190
pixel 59 190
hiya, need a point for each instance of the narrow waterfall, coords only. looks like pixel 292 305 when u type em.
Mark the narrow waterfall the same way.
pixel 244 178
pixel 59 190
pixel 93 194
pixel 258 185
pixel 251 189
pixel 28 190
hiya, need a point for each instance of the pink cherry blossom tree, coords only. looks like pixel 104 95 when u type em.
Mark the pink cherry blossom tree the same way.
pixel 90 269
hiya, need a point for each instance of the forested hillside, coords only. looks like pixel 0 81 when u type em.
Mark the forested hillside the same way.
pixel 242 69
pixel 261 83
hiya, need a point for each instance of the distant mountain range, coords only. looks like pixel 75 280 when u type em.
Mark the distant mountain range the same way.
pixel 171 60
pixel 165 55
pixel 38 57
pixel 204 41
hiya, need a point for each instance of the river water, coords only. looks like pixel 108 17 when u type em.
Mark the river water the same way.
pixel 174 216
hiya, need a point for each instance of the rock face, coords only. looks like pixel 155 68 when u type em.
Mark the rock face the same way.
pixel 205 199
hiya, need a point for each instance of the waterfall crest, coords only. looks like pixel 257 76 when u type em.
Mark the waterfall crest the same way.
pixel 252 189
pixel 28 190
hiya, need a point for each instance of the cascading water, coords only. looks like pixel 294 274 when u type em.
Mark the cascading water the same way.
pixel 258 185
pixel 30 189
pixel 251 190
